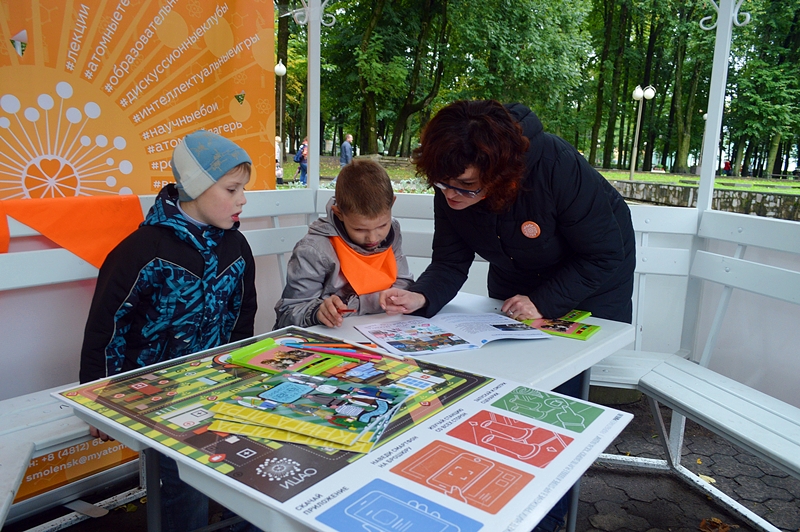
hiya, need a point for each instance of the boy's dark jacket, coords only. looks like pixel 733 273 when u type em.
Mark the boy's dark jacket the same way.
pixel 584 256
pixel 169 289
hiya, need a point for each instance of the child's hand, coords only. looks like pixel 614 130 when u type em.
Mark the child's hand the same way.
pixel 398 301
pixel 97 433
pixel 328 313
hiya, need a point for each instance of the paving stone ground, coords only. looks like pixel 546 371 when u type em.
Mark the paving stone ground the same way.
pixel 617 499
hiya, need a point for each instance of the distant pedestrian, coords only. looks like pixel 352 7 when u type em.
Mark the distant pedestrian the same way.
pixel 301 157
pixel 346 154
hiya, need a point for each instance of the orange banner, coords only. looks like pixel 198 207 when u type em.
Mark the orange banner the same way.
pixel 94 95
pixel 53 470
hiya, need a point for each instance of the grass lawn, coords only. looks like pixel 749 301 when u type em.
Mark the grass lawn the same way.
pixel 406 181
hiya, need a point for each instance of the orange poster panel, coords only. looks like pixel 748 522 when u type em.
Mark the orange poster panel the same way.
pixel 95 94
pixel 53 470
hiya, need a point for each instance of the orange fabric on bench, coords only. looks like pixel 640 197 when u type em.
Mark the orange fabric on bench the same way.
pixel 88 226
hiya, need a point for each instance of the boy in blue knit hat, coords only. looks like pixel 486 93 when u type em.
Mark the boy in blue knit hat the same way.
pixel 184 281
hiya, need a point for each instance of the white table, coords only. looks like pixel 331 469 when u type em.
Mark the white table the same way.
pixel 542 364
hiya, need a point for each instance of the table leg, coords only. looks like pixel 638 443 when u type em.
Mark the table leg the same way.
pixel 575 491
pixel 152 481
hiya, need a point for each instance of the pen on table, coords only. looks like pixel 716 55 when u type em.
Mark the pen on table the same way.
pixel 321 344
pixel 359 345
pixel 371 348
pixel 334 351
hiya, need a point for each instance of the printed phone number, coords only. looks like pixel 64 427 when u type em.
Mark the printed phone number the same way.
pixel 69 451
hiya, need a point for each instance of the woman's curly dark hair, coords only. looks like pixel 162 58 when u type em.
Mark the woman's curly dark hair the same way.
pixel 479 133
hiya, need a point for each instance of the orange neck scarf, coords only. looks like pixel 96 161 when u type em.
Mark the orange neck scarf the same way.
pixel 365 273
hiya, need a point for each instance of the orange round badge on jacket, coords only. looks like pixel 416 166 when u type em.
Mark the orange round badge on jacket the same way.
pixel 531 229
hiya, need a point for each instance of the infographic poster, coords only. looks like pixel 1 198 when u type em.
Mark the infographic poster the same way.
pixel 95 94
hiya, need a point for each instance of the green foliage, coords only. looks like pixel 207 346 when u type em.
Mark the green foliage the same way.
pixel 384 77
pixel 546 54
pixel 526 51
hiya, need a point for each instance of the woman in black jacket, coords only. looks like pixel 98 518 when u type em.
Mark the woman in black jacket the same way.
pixel 556 234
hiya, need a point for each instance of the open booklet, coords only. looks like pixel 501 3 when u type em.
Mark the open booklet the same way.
pixel 446 332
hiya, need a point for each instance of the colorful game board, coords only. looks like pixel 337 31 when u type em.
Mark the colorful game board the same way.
pixel 174 404
pixel 348 442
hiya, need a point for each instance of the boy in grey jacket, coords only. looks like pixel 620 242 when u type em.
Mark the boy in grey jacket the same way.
pixel 347 258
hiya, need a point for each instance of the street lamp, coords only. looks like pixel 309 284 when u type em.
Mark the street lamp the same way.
pixel 638 93
pixel 280 71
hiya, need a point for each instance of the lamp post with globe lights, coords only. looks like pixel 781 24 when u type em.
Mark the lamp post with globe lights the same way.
pixel 280 71
pixel 638 94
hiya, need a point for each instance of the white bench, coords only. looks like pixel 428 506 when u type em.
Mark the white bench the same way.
pixel 667 306
pixel 754 421
pixel 664 240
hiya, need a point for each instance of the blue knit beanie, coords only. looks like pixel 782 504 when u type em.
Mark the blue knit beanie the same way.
pixel 201 159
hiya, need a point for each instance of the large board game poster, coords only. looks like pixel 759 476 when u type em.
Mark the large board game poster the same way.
pixel 352 441
pixel 95 94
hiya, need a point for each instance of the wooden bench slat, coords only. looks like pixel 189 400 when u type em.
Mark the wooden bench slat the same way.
pixel 765 426
pixel 276 240
pixel 661 219
pixel 772 233
pixel 625 368
pixel 770 281
pixel 417 244
pixel 418 206
pixel 279 203
pixel 662 261
pixel 42 267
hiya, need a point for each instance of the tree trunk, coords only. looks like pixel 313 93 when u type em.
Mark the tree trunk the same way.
pixel 608 19
pixel 410 106
pixel 737 158
pixel 405 147
pixel 683 114
pixel 748 155
pixel 369 113
pixel 656 27
pixel 773 155
pixel 608 147
pixel 622 145
pixel 668 135
pixel 787 150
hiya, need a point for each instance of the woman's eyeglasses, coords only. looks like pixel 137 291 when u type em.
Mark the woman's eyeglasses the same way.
pixel 462 191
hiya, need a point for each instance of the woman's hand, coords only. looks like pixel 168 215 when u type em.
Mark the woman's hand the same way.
pixel 398 301
pixel 328 312
pixel 521 308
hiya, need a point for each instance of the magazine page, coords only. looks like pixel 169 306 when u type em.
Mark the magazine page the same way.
pixel 446 332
